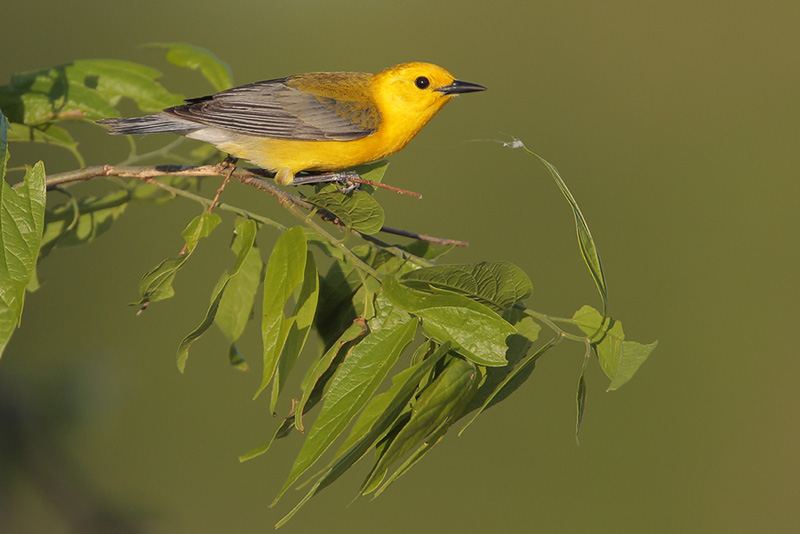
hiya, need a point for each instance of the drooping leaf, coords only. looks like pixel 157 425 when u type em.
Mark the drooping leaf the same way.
pixel 21 225
pixel 478 333
pixel 355 381
pixel 495 387
pixel 304 311
pixel 498 285
pixel 247 234
pixel 619 359
pixel 216 71
pixel 587 246
pixel 284 273
pixel 378 416
pixel 156 284
pixel 236 306
pixel 438 406
pixel 315 381
pixel 580 400
pixel 512 380
pixel 393 400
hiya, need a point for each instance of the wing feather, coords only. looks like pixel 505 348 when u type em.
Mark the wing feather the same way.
pixel 310 107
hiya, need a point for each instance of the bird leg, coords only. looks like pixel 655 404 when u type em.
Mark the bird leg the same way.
pixel 346 179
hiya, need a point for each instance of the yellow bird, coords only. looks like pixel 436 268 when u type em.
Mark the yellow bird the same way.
pixel 315 122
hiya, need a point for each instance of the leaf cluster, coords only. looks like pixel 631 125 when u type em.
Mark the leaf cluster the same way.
pixel 410 345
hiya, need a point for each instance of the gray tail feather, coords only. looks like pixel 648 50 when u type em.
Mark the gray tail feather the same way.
pixel 159 123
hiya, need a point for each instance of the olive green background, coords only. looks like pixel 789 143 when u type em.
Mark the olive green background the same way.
pixel 676 126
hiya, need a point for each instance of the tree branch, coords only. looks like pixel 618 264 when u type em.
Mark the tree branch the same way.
pixel 252 177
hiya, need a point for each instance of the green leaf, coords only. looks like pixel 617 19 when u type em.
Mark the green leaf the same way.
pixel 49 134
pixel 498 285
pixel 580 402
pixel 286 425
pixel 156 284
pixel 387 315
pixel 494 388
pixel 619 359
pixel 65 227
pixel 216 71
pixel 247 234
pixel 373 171
pixel 477 333
pixel 304 311
pixel 315 379
pixel 236 306
pixel 392 401
pixel 284 273
pixel 633 356
pixel 356 210
pixel 83 89
pixel 22 223
pixel 199 227
pixel 378 416
pixel 355 381
pixel 438 406
pixel 512 381
pixel 588 249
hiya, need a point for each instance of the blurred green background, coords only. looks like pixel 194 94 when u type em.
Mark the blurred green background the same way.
pixel 676 124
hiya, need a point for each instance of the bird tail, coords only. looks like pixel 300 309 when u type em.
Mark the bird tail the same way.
pixel 159 123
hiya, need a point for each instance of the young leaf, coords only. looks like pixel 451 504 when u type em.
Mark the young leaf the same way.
pixel 315 379
pixel 392 401
pixel 438 406
pixel 478 333
pixel 619 359
pixel 588 249
pixel 580 400
pixel 382 411
pixel 216 71
pixel 247 234
pixel 494 386
pixel 284 273
pixel 304 311
pixel 498 284
pixel 355 381
pixel 512 381
pixel 21 225
pixel 156 284
pixel 236 305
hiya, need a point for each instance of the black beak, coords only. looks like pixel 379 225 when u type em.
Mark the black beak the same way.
pixel 460 87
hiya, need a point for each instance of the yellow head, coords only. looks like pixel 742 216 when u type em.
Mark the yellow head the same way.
pixel 410 94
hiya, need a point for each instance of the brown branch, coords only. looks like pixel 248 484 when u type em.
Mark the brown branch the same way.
pixel 423 237
pixel 250 177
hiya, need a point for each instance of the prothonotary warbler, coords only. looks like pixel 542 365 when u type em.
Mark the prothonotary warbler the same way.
pixel 315 122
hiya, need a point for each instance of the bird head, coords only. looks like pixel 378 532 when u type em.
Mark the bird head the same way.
pixel 415 92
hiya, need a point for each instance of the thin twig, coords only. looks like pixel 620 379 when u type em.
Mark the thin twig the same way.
pixel 422 237
pixel 386 186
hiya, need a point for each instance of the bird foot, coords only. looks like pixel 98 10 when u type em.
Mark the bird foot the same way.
pixel 345 181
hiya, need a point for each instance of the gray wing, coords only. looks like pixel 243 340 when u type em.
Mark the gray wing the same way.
pixel 275 109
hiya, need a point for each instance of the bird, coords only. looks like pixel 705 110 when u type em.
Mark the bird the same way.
pixel 318 122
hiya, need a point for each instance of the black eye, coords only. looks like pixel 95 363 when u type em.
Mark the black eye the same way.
pixel 422 82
